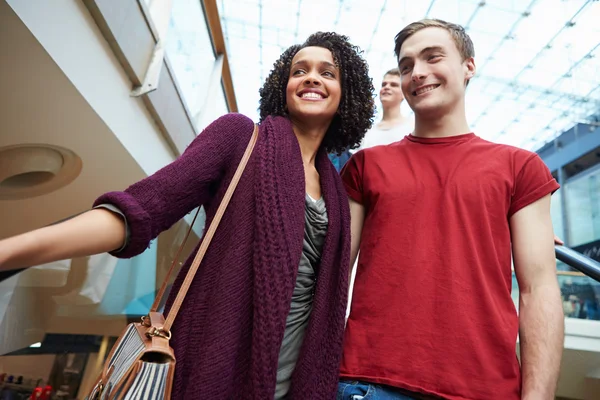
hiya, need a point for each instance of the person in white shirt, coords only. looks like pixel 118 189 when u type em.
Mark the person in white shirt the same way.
pixel 393 126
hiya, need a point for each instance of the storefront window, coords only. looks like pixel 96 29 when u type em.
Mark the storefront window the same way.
pixel 190 52
pixel 583 208
pixel 556 212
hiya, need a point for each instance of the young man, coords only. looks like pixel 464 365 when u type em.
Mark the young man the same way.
pixel 393 126
pixel 437 217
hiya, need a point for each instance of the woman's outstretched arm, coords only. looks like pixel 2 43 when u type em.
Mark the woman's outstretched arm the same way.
pixel 93 232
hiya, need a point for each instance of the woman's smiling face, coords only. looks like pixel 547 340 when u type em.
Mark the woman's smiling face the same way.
pixel 313 89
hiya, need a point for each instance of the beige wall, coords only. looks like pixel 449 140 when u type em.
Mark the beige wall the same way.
pixel 30 367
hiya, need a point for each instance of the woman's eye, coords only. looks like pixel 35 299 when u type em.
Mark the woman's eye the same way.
pixel 298 72
pixel 327 73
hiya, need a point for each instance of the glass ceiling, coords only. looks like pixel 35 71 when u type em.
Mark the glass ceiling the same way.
pixel 538 60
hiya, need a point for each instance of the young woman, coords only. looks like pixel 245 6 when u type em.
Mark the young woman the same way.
pixel 264 316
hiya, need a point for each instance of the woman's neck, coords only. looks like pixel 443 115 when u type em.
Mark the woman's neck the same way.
pixel 309 139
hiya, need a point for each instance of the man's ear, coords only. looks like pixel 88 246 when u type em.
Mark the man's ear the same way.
pixel 470 68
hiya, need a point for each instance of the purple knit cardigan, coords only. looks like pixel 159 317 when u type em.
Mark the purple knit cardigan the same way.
pixel 228 333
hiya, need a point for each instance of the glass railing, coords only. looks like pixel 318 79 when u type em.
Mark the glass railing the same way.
pixel 580 290
pixel 578 261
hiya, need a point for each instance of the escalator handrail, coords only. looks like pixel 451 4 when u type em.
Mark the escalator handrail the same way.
pixel 578 261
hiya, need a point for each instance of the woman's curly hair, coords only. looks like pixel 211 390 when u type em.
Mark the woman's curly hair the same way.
pixel 357 106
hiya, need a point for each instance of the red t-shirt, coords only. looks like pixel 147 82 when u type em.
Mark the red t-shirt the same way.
pixel 432 310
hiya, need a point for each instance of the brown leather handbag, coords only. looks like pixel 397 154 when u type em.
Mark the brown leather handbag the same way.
pixel 141 364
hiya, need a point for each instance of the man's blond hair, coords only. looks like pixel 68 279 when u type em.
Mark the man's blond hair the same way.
pixel 459 35
pixel 393 71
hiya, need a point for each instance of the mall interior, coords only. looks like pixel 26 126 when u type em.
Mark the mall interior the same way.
pixel 98 94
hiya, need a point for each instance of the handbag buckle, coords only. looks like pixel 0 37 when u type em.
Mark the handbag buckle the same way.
pixel 98 391
pixel 154 331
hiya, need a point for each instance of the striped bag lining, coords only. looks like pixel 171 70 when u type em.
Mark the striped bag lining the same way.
pixel 150 382
pixel 128 351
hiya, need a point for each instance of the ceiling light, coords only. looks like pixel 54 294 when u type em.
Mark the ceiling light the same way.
pixel 30 170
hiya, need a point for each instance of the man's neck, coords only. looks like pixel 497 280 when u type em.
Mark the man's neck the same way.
pixel 392 116
pixel 442 126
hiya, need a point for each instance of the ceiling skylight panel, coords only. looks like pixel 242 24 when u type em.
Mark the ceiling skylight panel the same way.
pixel 494 120
pixel 375 58
pixel 565 106
pixel 577 41
pixel 477 103
pixel 277 3
pixel 505 109
pixel 547 69
pixel 411 10
pixel 270 53
pixel 359 25
pixel 507 62
pixel 283 37
pixel 529 97
pixel 234 28
pixel 386 30
pixel 252 32
pixel 569 8
pixel 548 98
pixel 274 15
pixel 485 44
pixel 494 20
pixel 514 135
pixel 564 123
pixel 244 50
pixel 538 28
pixel 575 86
pixel 543 114
pixel 594 94
pixel 493 87
pixel 476 85
pixel 532 121
pixel 488 126
pixel 247 11
pixel 537 139
pixel 517 6
pixel 310 21
pixel 588 68
pixel 455 11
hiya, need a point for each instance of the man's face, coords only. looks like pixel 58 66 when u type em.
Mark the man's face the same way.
pixel 433 72
pixel 391 92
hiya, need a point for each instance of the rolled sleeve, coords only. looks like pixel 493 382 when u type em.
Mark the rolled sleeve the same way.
pixel 352 177
pixel 115 210
pixel 136 219
pixel 533 182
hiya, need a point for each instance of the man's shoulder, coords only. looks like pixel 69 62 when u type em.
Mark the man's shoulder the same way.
pixel 381 149
pixel 501 150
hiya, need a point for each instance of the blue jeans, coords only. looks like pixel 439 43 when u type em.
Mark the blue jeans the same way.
pixel 355 390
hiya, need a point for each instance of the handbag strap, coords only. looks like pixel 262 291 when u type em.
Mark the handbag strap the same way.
pixel 205 242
